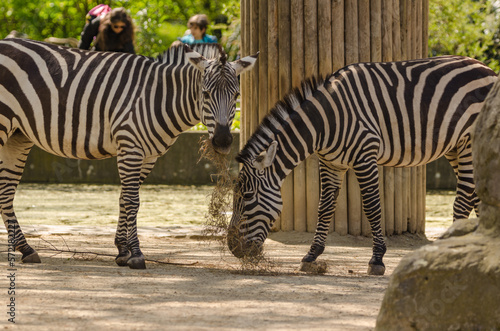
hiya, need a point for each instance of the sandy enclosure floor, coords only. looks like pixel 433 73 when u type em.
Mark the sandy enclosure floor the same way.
pixel 209 289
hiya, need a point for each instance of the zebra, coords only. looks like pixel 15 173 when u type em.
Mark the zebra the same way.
pixel 398 114
pixel 94 105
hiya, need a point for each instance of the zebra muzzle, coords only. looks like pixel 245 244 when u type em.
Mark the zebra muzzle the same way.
pixel 240 247
pixel 222 139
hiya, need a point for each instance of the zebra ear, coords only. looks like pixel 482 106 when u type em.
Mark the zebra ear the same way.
pixel 266 158
pixel 197 60
pixel 244 64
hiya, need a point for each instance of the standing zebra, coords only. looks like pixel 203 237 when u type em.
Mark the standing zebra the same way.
pixel 398 114
pixel 94 105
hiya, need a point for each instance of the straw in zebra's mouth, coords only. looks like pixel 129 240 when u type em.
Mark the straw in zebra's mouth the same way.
pixel 220 203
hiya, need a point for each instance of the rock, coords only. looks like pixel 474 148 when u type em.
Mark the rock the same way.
pixel 461 228
pixel 454 283
pixel 315 267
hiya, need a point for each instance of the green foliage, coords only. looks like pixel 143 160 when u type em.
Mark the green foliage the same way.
pixel 469 28
pixel 158 22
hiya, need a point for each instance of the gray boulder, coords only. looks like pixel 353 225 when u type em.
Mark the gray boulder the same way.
pixel 454 283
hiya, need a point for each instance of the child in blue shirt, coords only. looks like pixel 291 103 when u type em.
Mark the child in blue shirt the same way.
pixel 198 27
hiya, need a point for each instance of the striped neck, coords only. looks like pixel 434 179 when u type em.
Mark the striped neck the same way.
pixel 296 124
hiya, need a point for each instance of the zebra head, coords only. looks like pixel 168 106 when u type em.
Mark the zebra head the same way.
pixel 218 94
pixel 257 203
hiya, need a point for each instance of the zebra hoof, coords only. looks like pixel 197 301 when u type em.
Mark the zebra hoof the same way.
pixel 121 260
pixel 31 258
pixel 137 262
pixel 376 269
pixel 314 267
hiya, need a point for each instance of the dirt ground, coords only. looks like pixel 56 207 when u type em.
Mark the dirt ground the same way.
pixel 193 285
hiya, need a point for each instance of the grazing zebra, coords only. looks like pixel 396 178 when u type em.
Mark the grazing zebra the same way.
pixel 94 105
pixel 398 114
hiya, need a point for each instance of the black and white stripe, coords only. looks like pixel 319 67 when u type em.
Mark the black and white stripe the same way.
pixel 399 114
pixel 94 105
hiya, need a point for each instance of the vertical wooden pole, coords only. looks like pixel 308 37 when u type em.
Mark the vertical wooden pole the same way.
pixel 273 64
pixel 423 180
pixel 403 28
pixel 404 201
pixel 413 201
pixel 324 37
pixel 354 208
pixel 376 56
pixel 398 201
pixel 421 169
pixel 387 54
pixel 425 29
pixel 299 173
pixel 338 41
pixel 285 85
pixel 243 79
pixel 324 68
pixel 364 30
pixel 398 172
pixel 387 30
pixel 338 55
pixel 263 60
pixel 413 29
pixel 364 56
pixel 418 31
pixel 403 7
pixel 425 53
pixel 254 48
pixel 389 200
pixel 311 69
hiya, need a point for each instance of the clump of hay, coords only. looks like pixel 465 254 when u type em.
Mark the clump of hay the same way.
pixel 219 211
pixel 220 203
pixel 260 264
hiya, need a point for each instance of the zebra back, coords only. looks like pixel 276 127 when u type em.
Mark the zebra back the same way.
pixel 175 54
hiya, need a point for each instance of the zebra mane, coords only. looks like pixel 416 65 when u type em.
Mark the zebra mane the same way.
pixel 175 54
pixel 277 118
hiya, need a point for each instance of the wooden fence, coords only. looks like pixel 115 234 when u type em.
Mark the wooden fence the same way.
pixel 301 38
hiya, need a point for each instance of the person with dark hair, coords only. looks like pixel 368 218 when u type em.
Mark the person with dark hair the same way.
pixel 198 26
pixel 114 32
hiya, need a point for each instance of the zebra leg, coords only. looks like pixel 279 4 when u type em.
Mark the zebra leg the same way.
pixel 121 237
pixel 331 181
pixel 460 159
pixel 368 178
pixel 133 170
pixel 13 157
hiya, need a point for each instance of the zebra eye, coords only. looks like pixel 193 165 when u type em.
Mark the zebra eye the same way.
pixel 206 94
pixel 247 196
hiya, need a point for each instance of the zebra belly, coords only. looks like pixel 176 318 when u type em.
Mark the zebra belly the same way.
pixel 75 147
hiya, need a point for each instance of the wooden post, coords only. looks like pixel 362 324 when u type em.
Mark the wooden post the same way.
pixel 263 60
pixel 244 109
pixel 376 56
pixel 285 85
pixel 273 64
pixel 387 54
pixel 354 209
pixel 299 173
pixel 325 53
pixel 364 56
pixel 311 69
pixel 338 42
pixel 254 48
